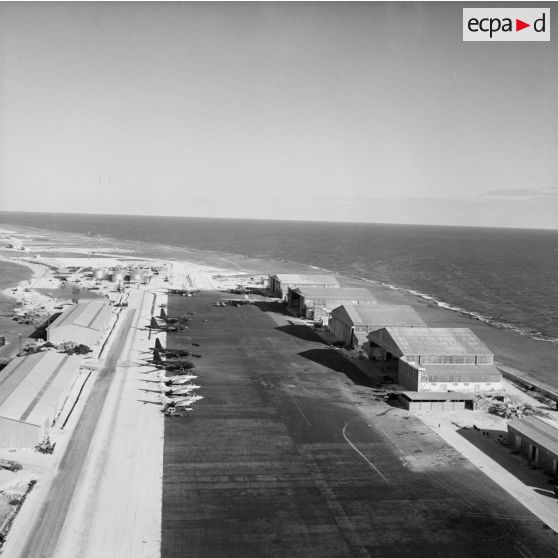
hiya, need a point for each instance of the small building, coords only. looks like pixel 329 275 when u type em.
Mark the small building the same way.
pixel 316 303
pixel 351 323
pixel 437 359
pixel 84 322
pixel 435 401
pixel 280 283
pixel 537 439
pixel 32 392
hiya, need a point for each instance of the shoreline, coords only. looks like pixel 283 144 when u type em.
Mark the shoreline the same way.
pixel 534 357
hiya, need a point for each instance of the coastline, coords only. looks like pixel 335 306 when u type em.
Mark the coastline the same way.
pixel 534 358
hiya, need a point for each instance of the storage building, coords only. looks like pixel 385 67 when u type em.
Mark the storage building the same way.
pixel 351 323
pixel 279 284
pixel 537 439
pixel 317 302
pixel 32 391
pixel 437 359
pixel 85 323
pixel 435 401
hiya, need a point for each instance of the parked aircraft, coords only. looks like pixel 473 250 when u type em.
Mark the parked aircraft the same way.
pixel 154 324
pixel 175 380
pixel 178 390
pixel 181 402
pixel 179 363
pixel 173 353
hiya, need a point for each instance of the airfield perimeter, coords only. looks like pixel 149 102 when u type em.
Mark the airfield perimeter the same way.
pixel 285 456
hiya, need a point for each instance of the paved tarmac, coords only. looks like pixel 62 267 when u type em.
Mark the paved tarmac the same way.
pixel 286 457
pixel 45 536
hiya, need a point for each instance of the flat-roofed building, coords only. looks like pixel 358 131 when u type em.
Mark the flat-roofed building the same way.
pixel 32 391
pixel 85 322
pixel 317 302
pixel 435 401
pixel 537 439
pixel 351 323
pixel 280 283
pixel 438 359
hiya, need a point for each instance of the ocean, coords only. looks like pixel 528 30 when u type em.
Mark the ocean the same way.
pixel 504 277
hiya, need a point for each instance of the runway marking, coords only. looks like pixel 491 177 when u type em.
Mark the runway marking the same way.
pixel 361 454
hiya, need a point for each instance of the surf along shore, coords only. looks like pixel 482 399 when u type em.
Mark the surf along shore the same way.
pixel 532 359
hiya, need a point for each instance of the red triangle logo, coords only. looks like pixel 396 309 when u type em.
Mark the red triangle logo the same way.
pixel 519 25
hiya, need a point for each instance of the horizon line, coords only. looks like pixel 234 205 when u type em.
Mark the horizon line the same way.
pixel 283 220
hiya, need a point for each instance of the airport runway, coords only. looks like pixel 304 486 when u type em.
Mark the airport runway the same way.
pixel 284 457
pixel 44 538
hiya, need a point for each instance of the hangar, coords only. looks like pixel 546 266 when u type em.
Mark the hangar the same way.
pixel 85 323
pixel 537 439
pixel 32 392
pixel 280 283
pixel 316 303
pixel 438 359
pixel 351 323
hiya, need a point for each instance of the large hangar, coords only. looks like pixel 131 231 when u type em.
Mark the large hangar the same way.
pixel 317 302
pixel 32 391
pixel 438 359
pixel 85 322
pixel 280 283
pixel 351 323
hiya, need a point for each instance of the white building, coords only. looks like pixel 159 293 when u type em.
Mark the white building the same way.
pixel 85 322
pixel 280 283
pixel 351 323
pixel 438 359
pixel 32 391
pixel 316 303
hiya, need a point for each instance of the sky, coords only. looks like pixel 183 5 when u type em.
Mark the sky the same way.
pixel 371 112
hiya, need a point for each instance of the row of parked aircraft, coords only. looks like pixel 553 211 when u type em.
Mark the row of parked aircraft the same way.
pixel 177 393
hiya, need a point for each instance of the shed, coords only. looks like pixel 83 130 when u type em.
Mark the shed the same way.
pixel 435 401
pixel 317 302
pixel 351 323
pixel 537 439
pixel 280 283
pixel 84 322
pixel 32 391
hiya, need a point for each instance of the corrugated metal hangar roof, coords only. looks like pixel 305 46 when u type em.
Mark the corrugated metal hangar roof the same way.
pixel 87 313
pixel 437 341
pixel 300 279
pixel 538 430
pixel 341 293
pixel 383 315
pixel 31 386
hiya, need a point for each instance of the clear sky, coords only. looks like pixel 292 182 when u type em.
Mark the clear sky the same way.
pixel 352 112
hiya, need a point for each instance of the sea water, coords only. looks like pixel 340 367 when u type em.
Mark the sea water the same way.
pixel 505 277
